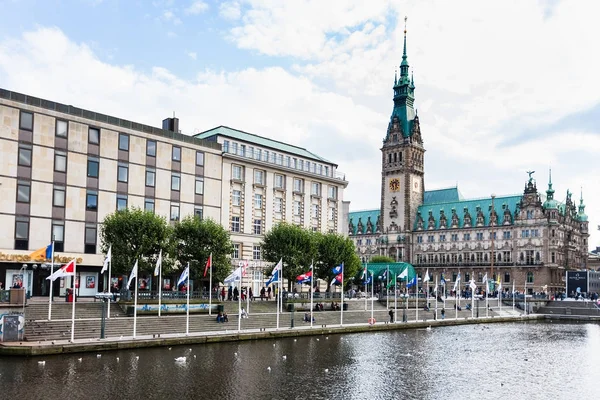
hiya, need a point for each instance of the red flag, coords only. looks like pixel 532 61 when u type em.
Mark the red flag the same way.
pixel 208 264
pixel 65 270
pixel 244 266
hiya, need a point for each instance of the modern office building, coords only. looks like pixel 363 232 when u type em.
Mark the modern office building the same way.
pixel 266 182
pixel 527 239
pixel 64 169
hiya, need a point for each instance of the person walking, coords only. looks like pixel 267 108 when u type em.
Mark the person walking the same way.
pixel 269 293
pixel 251 294
pixel 391 313
pixel 443 313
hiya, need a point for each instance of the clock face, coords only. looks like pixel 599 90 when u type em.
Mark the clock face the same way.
pixel 394 184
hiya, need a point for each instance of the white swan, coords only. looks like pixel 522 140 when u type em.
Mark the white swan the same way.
pixel 180 359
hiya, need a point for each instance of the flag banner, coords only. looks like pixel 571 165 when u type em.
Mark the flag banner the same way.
pixel 244 266
pixel 392 282
pixel 133 274
pixel 457 282
pixel 158 264
pixel 337 280
pixel 208 265
pixel 278 266
pixel 368 280
pixel 184 275
pixel 274 278
pixel 107 260
pixel 442 280
pixel 65 270
pixel 364 274
pixel 472 285
pixel 304 278
pixel 339 269
pixel 427 277
pixel 485 280
pixel 412 282
pixel 44 252
pixel 234 276
pixel 384 275
pixel 403 274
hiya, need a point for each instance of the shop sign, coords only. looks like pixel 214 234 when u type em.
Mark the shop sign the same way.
pixel 4 257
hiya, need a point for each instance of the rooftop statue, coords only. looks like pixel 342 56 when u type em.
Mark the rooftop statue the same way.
pixel 530 173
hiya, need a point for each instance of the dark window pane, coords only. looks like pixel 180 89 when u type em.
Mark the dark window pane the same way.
pixel 23 192
pixel 90 235
pixel 93 168
pixel 94 135
pixel 123 142
pixel 22 230
pixel 122 174
pixel 25 157
pixel 151 148
pixel 91 202
pixel 176 153
pixel 26 121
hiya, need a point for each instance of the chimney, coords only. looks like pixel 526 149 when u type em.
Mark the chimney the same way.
pixel 171 124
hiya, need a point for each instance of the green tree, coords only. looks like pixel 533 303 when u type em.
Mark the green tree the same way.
pixel 334 249
pixel 295 245
pixel 193 241
pixel 381 260
pixel 134 234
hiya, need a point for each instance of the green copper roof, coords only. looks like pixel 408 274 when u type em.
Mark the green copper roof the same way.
pixel 404 97
pixel 261 141
pixel 442 195
pixel 363 216
pixel 472 205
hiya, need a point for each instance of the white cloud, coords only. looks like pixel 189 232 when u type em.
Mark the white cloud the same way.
pixel 192 55
pixel 197 7
pixel 230 10
pixel 170 16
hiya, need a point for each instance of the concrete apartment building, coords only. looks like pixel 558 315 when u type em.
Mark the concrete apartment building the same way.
pixel 266 182
pixel 64 169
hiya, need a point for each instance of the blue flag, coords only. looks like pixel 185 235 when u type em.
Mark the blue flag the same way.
pixel 273 278
pixel 185 275
pixel 412 282
pixel 339 269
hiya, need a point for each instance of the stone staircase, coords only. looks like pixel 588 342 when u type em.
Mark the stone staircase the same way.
pixel 570 307
pixel 262 316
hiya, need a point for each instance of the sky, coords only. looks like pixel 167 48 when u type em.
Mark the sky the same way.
pixel 502 87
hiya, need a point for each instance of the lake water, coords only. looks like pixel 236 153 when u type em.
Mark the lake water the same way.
pixel 497 361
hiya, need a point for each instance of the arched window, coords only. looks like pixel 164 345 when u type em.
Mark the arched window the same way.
pixel 399 157
pixel 390 158
pixel 395 157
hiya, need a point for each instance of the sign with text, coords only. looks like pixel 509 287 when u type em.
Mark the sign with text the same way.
pixel 577 282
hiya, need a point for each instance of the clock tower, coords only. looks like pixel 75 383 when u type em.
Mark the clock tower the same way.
pixel 402 162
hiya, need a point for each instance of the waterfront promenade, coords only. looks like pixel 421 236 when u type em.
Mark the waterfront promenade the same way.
pixel 52 337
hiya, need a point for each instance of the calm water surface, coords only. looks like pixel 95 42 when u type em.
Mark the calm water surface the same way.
pixel 498 361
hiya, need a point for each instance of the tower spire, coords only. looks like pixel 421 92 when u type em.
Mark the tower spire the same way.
pixel 550 191
pixel 404 63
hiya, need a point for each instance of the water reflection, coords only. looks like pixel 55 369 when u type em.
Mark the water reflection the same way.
pixel 536 360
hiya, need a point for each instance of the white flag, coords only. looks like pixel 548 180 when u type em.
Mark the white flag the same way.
pixel 107 260
pixel 134 273
pixel 158 264
pixel 427 277
pixel 404 273
pixel 234 276
pixel 473 285
pixel 185 275
pixel 65 270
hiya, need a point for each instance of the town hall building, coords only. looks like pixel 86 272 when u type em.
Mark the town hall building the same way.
pixel 529 239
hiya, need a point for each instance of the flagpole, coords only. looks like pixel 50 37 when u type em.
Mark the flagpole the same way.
pixel 366 276
pixel 436 296
pixel 109 279
pixel 525 296
pixel 372 293
pixel 210 285
pixel 74 300
pixel 135 303
pixel 342 311
pixel 312 289
pixel 513 295
pixel 416 297
pixel 473 298
pixel 160 283
pixel 279 299
pixel 395 298
pixel 407 297
pixel 387 282
pixel 187 308
pixel 51 284
pixel 487 289
pixel 240 302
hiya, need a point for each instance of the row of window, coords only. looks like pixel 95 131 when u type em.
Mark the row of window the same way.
pixel 237 251
pixel 527 257
pixel 62 127
pixel 236 200
pixel 237 173
pixel 275 158
pixel 22 226
pixel 480 236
